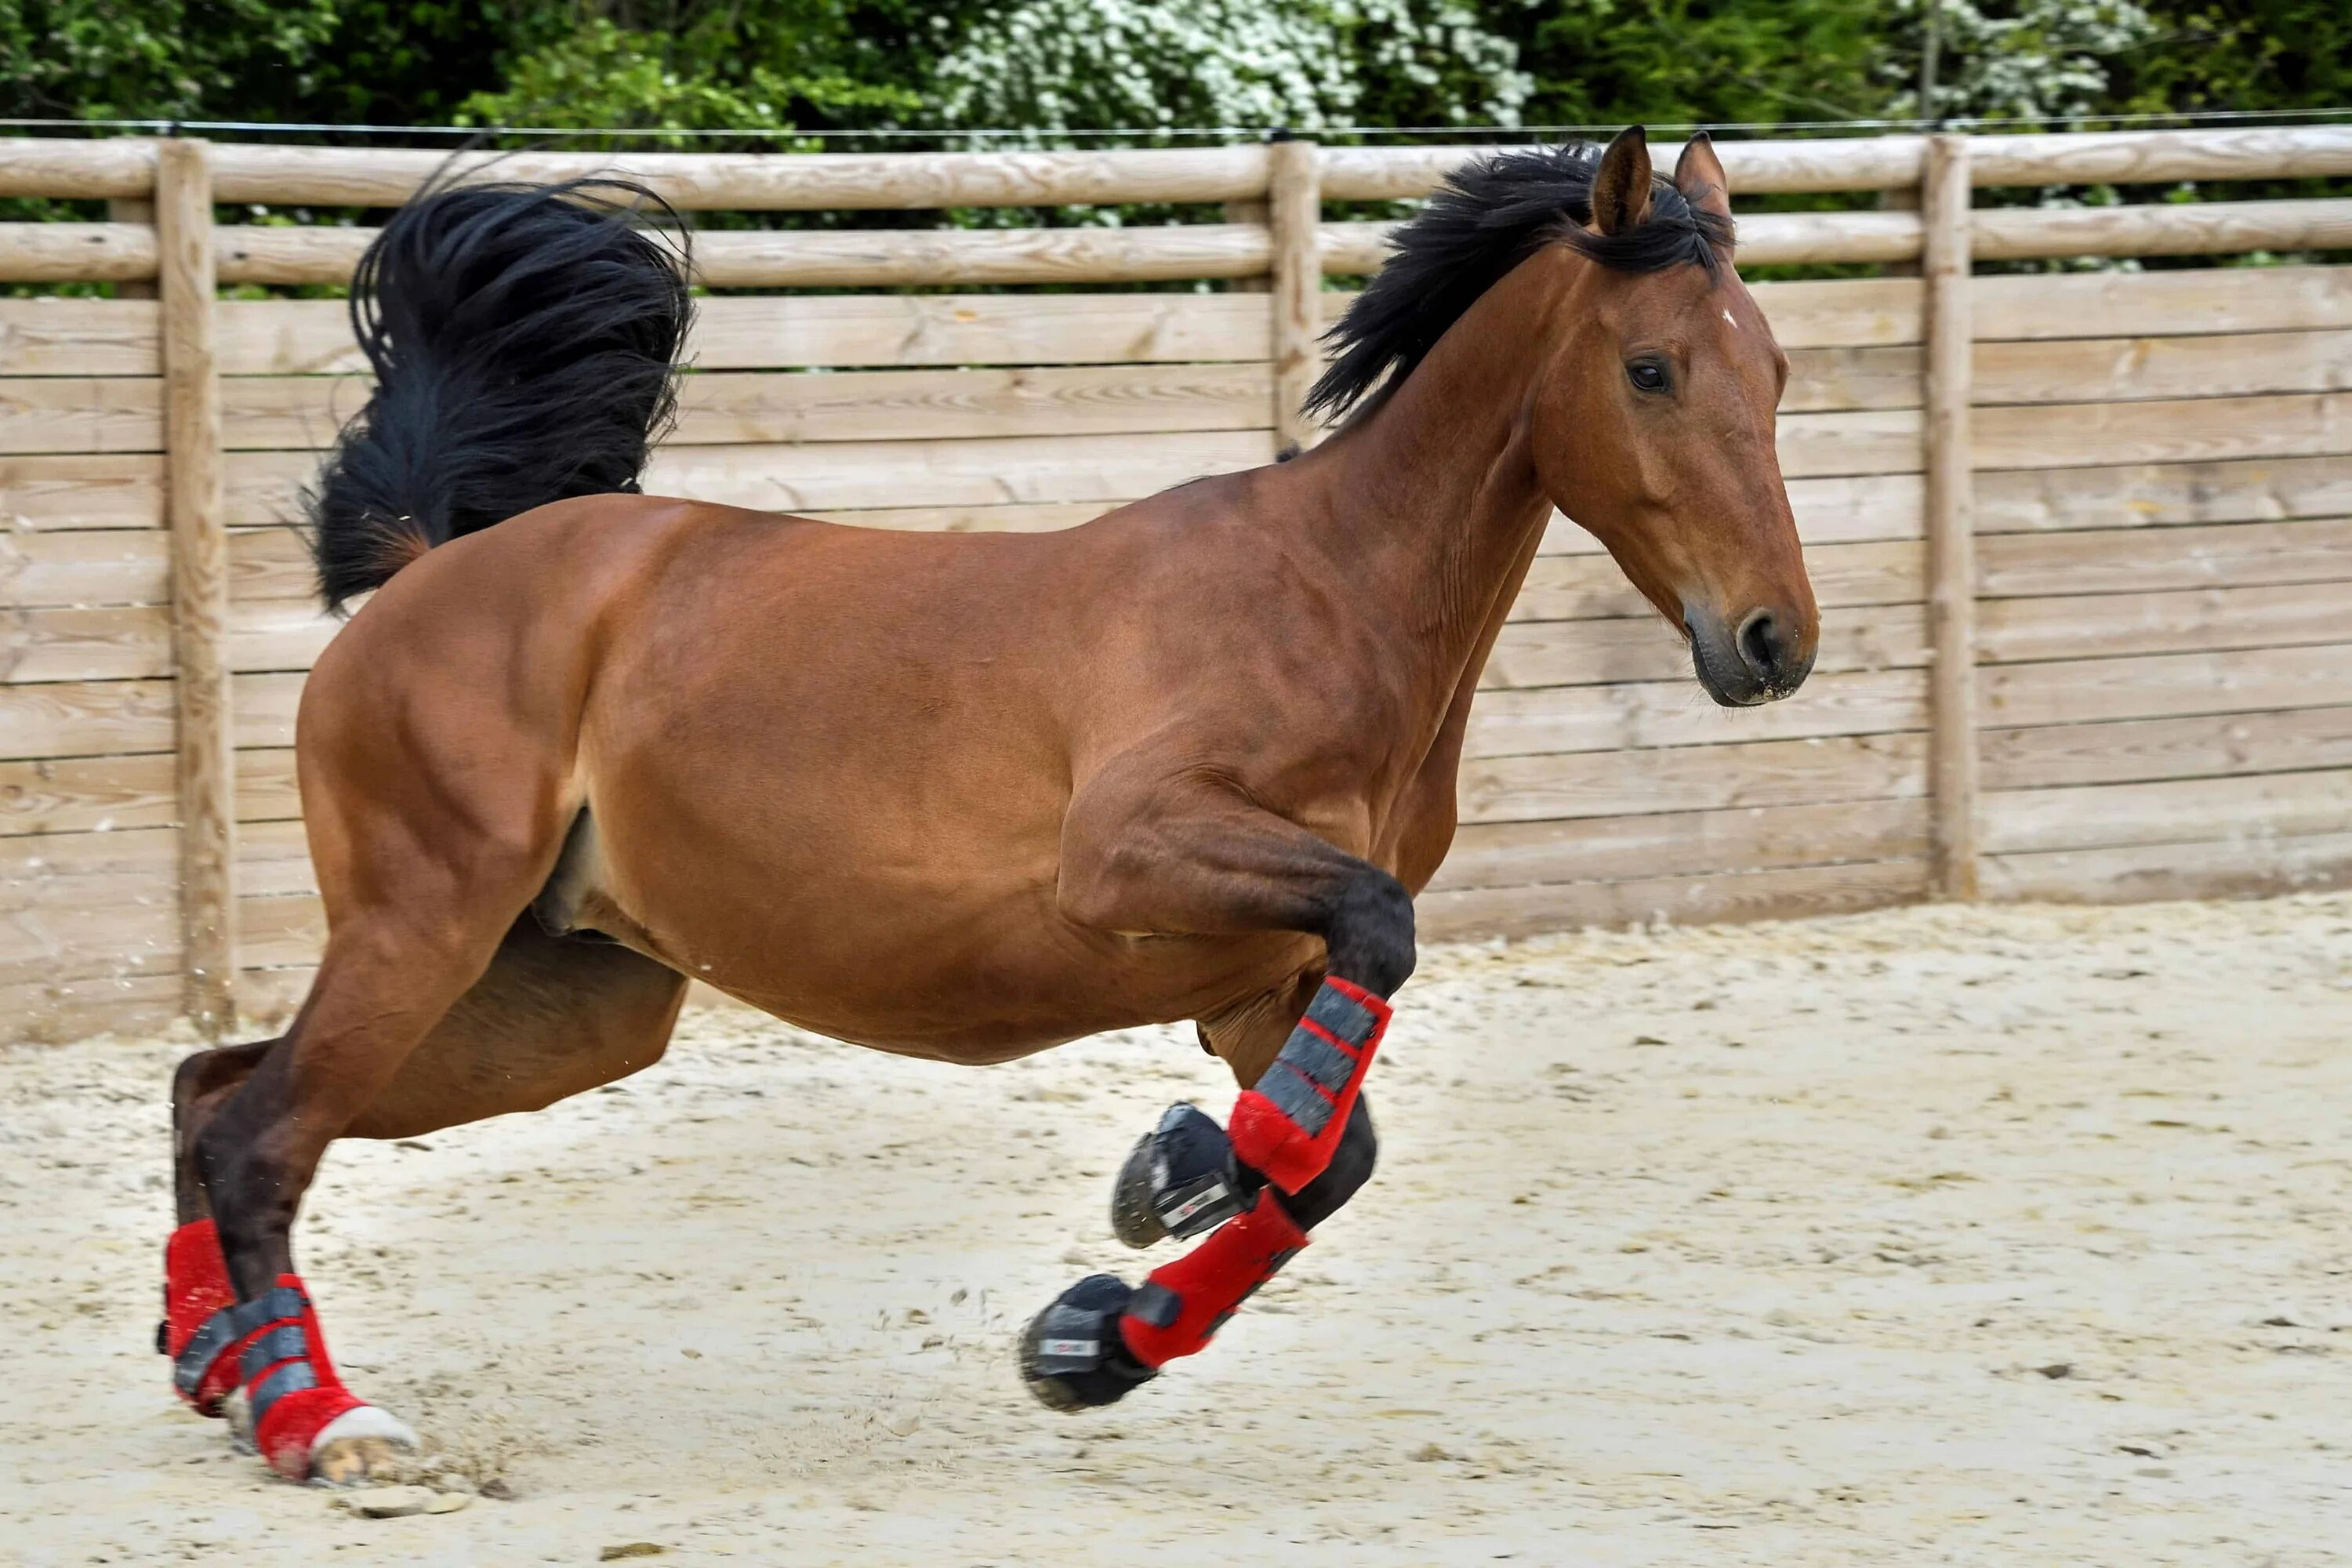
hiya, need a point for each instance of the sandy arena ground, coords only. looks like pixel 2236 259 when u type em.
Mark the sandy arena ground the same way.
pixel 1940 1236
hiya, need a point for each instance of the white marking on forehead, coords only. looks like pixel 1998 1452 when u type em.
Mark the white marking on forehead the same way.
pixel 1727 316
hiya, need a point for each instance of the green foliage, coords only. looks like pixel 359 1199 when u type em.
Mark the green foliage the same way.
pixel 773 68
pixel 1602 62
pixel 345 61
pixel 1060 66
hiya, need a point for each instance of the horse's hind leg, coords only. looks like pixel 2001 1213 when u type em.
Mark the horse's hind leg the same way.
pixel 549 1018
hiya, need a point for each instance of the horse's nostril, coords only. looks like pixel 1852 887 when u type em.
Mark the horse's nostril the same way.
pixel 1759 644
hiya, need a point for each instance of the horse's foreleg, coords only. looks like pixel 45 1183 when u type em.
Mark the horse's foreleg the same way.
pixel 1300 1141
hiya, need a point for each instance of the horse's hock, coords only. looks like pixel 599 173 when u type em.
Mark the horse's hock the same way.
pixel 2082 541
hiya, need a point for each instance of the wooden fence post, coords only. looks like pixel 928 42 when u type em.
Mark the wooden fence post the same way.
pixel 192 438
pixel 1295 204
pixel 1951 538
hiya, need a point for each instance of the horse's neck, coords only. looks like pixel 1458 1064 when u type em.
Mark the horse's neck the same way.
pixel 1428 505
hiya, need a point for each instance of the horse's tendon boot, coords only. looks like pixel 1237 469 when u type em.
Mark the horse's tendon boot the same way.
pixel 1181 1181
pixel 270 1349
pixel 1071 1354
pixel 1183 1303
pixel 1290 1123
pixel 197 1288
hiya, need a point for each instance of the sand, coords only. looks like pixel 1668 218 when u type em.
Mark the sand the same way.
pixel 2012 1235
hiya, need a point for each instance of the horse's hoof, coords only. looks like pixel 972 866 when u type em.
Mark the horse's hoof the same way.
pixel 361 1445
pixel 1071 1354
pixel 1131 1219
pixel 1180 1181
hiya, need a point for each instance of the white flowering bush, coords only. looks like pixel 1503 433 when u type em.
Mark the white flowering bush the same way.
pixel 2031 60
pixel 1052 67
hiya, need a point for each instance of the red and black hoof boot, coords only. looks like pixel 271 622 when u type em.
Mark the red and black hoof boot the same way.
pixel 1072 1356
pixel 1181 1181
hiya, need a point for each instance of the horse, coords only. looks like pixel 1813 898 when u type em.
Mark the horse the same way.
pixel 956 797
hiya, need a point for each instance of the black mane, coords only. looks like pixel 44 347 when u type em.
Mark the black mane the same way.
pixel 1488 216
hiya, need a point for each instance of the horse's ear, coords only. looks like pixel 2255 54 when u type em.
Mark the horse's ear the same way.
pixel 1620 187
pixel 1698 176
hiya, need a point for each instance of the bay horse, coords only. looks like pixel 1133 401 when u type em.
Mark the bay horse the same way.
pixel 956 797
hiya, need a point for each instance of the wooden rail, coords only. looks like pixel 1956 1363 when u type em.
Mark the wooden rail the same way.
pixel 122 252
pixel 364 177
pixel 2015 694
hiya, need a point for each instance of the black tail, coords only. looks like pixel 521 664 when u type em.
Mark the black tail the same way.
pixel 525 341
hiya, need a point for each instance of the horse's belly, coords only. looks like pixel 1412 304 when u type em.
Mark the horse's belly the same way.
pixel 959 956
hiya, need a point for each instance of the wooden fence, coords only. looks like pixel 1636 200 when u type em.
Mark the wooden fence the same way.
pixel 2084 540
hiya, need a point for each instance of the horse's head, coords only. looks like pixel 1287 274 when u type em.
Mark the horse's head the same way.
pixel 1654 425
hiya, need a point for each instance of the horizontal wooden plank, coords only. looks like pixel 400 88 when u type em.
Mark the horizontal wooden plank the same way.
pixel 1632 714
pixel 98 566
pixel 263 486
pixel 128 566
pixel 1682 843
pixel 81 492
pixel 76 252
pixel 2112 561
pixel 2249 809
pixel 78 795
pixel 117 643
pixel 2135 495
pixel 383 177
pixel 1530 653
pixel 1694 778
pixel 727 408
pixel 131 642
pixel 86 717
pixel 2208 745
pixel 2164 685
pixel 2093 370
pixel 1831 380
pixel 2139 873
pixel 80 414
pixel 52 336
pixel 1586 587
pixel 1995 234
pixel 2100 369
pixel 2014 631
pixel 846 331
pixel 2170 303
pixel 1884 441
pixel 723 259
pixel 691 181
pixel 2085 434
pixel 135 932
pixel 53 1011
pixel 1749 896
pixel 795 331
pixel 87 413
pixel 1888 161
pixel 2161 228
pixel 1843 312
pixel 287 929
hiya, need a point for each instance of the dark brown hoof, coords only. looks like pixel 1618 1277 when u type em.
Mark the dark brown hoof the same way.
pixel 1131 1219
pixel 1071 1356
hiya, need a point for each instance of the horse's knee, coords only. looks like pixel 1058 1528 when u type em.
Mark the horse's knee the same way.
pixel 1350 1167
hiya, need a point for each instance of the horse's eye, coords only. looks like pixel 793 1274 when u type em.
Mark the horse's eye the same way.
pixel 1647 376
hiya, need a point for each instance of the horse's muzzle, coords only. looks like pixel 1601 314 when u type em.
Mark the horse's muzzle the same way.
pixel 1762 661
